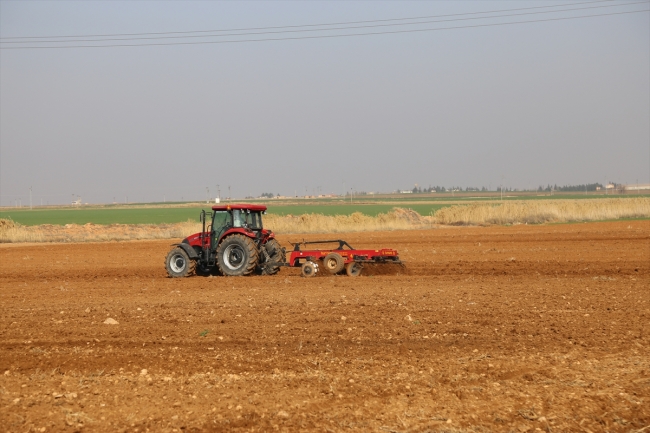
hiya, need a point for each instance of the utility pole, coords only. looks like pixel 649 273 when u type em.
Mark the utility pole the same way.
pixel 218 193
pixel 502 188
pixel 207 194
pixel 30 197
pixel 229 196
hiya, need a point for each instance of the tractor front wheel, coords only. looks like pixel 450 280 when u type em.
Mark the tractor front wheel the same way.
pixel 179 264
pixel 237 256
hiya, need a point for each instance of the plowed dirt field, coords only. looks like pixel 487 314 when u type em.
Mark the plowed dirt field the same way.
pixel 524 328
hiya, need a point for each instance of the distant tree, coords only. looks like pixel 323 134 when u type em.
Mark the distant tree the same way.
pixel 580 188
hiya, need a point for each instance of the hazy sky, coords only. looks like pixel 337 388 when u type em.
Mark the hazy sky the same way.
pixel 563 102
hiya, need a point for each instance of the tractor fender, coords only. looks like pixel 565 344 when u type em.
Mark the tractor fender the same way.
pixel 191 252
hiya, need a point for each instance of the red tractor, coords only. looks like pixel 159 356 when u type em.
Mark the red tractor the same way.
pixel 234 244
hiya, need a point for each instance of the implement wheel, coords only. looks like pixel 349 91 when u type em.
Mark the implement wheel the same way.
pixel 353 269
pixel 237 256
pixel 309 269
pixel 179 264
pixel 334 263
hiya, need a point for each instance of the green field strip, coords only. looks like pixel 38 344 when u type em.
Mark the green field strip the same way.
pixel 348 209
pixel 151 215
pixel 169 215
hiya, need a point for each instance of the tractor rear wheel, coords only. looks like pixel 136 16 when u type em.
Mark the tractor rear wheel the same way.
pixel 353 269
pixel 237 256
pixel 276 256
pixel 334 263
pixel 179 264
pixel 309 269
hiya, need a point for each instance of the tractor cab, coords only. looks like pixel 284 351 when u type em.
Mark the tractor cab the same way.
pixel 225 218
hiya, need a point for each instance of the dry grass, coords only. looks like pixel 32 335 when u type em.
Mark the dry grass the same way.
pixel 397 219
pixel 542 211
pixel 11 232
pixel 519 212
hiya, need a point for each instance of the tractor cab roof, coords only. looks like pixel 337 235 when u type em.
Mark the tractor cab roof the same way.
pixel 250 207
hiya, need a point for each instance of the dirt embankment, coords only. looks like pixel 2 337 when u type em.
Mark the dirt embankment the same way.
pixel 490 329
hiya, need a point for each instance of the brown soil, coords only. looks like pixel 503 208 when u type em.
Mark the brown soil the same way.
pixel 520 328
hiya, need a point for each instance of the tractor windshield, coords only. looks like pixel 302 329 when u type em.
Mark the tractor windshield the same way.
pixel 251 220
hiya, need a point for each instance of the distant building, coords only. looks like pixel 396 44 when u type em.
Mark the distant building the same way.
pixel 406 191
pixel 637 187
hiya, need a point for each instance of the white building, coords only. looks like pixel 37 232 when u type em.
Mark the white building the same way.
pixel 634 187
